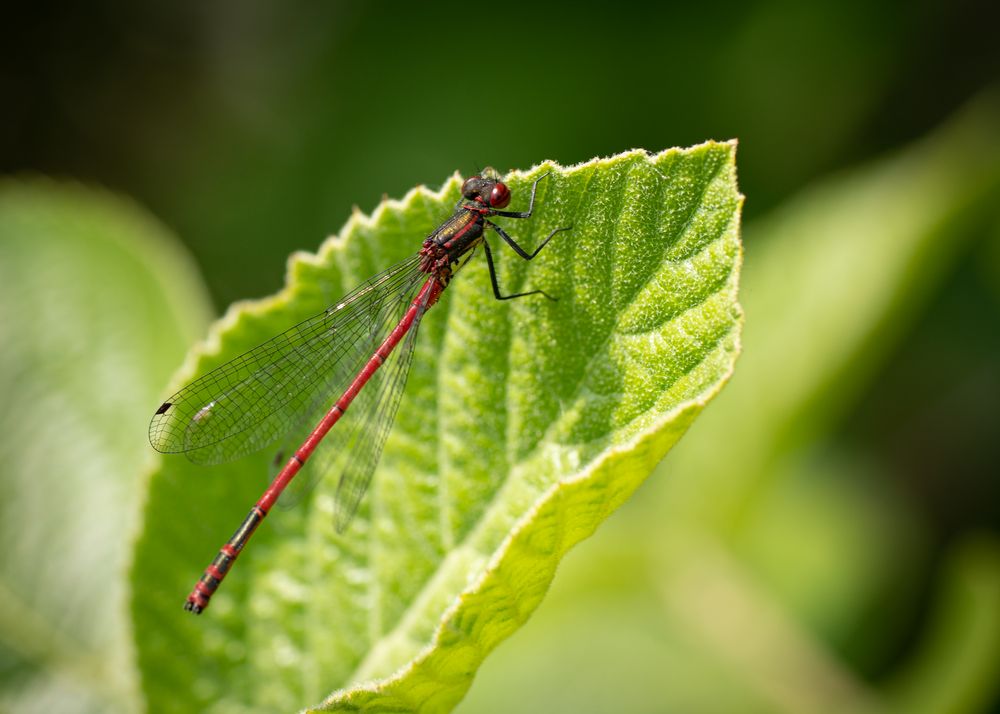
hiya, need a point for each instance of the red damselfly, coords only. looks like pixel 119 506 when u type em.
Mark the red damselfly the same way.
pixel 301 382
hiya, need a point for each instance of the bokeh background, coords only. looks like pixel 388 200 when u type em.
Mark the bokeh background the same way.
pixel 825 538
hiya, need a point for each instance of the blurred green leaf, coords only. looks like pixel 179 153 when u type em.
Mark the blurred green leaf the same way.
pixel 523 427
pixel 96 306
pixel 832 281
pixel 955 670
pixel 837 278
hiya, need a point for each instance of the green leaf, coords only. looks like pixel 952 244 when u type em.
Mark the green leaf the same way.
pixel 524 425
pixel 96 306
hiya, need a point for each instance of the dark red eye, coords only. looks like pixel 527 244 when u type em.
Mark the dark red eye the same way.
pixel 500 195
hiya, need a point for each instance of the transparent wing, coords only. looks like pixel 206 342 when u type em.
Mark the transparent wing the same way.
pixel 250 401
pixel 373 431
pixel 338 445
pixel 354 447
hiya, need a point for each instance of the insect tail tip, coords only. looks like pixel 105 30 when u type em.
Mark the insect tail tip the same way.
pixel 193 607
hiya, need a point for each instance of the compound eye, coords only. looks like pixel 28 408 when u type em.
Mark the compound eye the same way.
pixel 500 195
pixel 470 189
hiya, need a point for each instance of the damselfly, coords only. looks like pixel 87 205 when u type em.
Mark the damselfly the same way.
pixel 349 354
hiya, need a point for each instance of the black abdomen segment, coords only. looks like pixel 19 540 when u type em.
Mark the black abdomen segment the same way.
pixel 209 581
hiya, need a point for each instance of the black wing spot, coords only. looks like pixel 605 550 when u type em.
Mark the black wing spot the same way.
pixel 164 407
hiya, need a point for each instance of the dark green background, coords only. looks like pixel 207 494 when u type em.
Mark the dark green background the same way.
pixel 252 128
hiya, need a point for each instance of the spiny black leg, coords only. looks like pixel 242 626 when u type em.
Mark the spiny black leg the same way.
pixel 496 286
pixel 518 249
pixel 531 203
